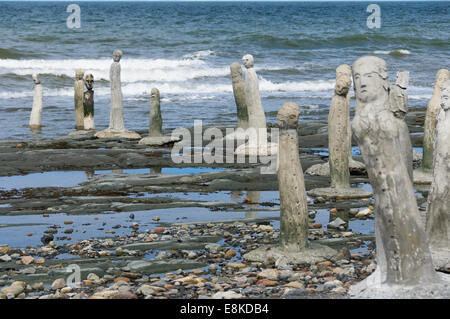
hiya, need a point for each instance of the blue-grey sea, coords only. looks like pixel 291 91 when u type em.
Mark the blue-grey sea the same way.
pixel 185 49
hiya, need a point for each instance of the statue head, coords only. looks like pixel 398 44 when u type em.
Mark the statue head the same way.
pixel 445 95
pixel 89 81
pixel 79 73
pixel 35 78
pixel 154 93
pixel 236 69
pixel 117 55
pixel 248 61
pixel 370 79
pixel 288 116
pixel 441 76
pixel 343 79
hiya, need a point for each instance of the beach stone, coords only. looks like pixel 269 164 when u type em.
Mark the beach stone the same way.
pixel 271 274
pixel 403 255
pixel 58 284
pixel 227 295
pixel 338 222
pixel 235 265
pixel 5 258
pixel 146 290
pixel 12 290
pixel 26 260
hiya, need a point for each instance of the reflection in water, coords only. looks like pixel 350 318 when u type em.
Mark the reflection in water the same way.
pixel 155 170
pixel 252 200
pixel 89 174
pixel 236 196
pixel 117 171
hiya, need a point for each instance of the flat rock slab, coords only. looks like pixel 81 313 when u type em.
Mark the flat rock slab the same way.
pixel 324 169
pixel 125 134
pixel 312 254
pixel 162 266
pixel 261 150
pixel 159 140
pixel 340 193
pixel 422 177
pixel 420 290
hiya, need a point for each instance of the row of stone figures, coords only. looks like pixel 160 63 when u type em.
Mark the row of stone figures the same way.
pixel 407 251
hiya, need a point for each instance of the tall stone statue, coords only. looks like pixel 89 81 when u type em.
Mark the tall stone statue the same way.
pixel 36 110
pixel 438 215
pixel 433 109
pixel 116 114
pixel 294 247
pixel 258 143
pixel 155 135
pixel 398 101
pixel 339 145
pixel 155 128
pixel 78 97
pixel 88 103
pixel 116 123
pixel 239 94
pixel 256 116
pixel 404 267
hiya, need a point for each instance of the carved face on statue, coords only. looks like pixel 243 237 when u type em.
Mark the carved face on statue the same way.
pixel 79 73
pixel 445 95
pixel 35 78
pixel 154 94
pixel 370 79
pixel 248 61
pixel 288 116
pixel 441 76
pixel 89 81
pixel 343 79
pixel 117 55
pixel 236 69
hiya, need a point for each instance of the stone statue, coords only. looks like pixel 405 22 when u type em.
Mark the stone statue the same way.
pixel 433 110
pixel 239 94
pixel 438 215
pixel 404 267
pixel 155 136
pixel 116 123
pixel 116 115
pixel 339 119
pixel 339 141
pixel 257 144
pixel 398 101
pixel 78 97
pixel 88 103
pixel 36 110
pixel 155 114
pixel 294 247
pixel 256 116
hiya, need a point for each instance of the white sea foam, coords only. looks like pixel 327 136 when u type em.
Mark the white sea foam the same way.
pixel 399 52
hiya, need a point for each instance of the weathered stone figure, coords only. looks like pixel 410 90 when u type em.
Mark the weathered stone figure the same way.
pixel 155 128
pixel 437 223
pixel 257 143
pixel 339 146
pixel 433 109
pixel 156 137
pixel 116 115
pixel 294 246
pixel 256 116
pixel 404 267
pixel 398 101
pixel 116 123
pixel 78 99
pixel 239 94
pixel 338 123
pixel 36 110
pixel 88 103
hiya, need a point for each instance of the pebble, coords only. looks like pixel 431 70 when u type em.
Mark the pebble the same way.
pixel 26 260
pixel 58 284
